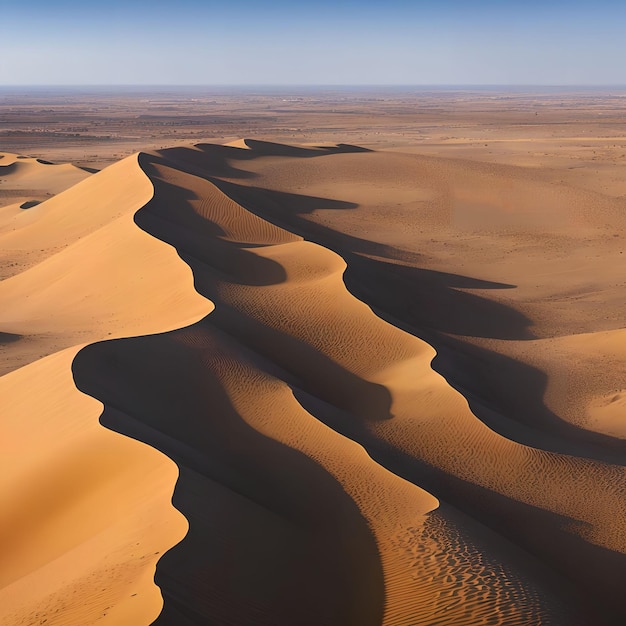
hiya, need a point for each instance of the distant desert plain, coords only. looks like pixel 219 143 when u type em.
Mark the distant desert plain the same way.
pixel 313 356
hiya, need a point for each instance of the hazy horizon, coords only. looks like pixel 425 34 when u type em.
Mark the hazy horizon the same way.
pixel 480 42
pixel 308 87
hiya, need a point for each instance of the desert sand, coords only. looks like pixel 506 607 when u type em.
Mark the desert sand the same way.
pixel 268 382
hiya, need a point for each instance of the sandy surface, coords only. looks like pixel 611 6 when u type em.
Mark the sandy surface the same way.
pixel 379 385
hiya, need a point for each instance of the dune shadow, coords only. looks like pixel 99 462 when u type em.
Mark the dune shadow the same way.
pixel 425 298
pixel 201 158
pixel 30 204
pixel 223 161
pixel 7 338
pixel 309 368
pixel 285 210
pixel 505 393
pixel 172 217
pixel 276 201
pixel 429 300
pixel 215 262
pixel 544 534
pixel 260 148
pixel 273 538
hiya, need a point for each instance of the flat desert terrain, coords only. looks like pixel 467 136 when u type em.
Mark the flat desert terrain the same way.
pixel 313 357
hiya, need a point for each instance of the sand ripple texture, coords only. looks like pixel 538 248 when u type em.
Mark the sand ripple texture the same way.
pixel 326 473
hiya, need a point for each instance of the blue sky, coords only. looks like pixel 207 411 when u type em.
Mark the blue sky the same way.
pixel 342 42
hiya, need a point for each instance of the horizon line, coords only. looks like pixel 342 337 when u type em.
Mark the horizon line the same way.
pixel 316 85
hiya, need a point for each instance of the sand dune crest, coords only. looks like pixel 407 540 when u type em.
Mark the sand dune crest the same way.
pixel 327 474
pixel 74 552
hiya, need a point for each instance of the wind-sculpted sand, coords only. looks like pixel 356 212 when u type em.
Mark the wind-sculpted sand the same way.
pixel 349 398
pixel 85 512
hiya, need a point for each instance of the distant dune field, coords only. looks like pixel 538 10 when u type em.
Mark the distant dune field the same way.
pixel 269 384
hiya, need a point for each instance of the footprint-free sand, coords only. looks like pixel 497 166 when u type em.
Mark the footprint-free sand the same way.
pixel 255 382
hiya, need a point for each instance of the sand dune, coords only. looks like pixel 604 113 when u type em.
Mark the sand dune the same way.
pixel 330 471
pixel 19 172
pixel 97 277
pixel 25 182
pixel 73 551
pixel 88 511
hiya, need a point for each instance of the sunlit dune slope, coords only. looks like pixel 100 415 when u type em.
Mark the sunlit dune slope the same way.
pixel 246 445
pixel 29 236
pixel 25 182
pixel 20 172
pixel 85 512
pixel 327 472
pixel 514 488
pixel 98 275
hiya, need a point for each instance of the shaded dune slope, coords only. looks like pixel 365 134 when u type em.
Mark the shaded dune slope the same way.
pixel 86 512
pixel 377 387
pixel 435 304
pixel 287 344
pixel 327 473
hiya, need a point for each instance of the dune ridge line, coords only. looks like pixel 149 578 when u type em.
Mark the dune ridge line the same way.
pixel 265 281
pixel 91 509
pixel 287 410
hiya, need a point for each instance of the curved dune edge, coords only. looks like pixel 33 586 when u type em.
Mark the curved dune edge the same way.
pixel 261 278
pixel 595 369
pixel 29 237
pixel 288 348
pixel 94 275
pixel 238 143
pixel 90 510
pixel 26 182
pixel 377 384
pixel 584 387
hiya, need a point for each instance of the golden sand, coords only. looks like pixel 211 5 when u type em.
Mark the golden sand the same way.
pixel 376 384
